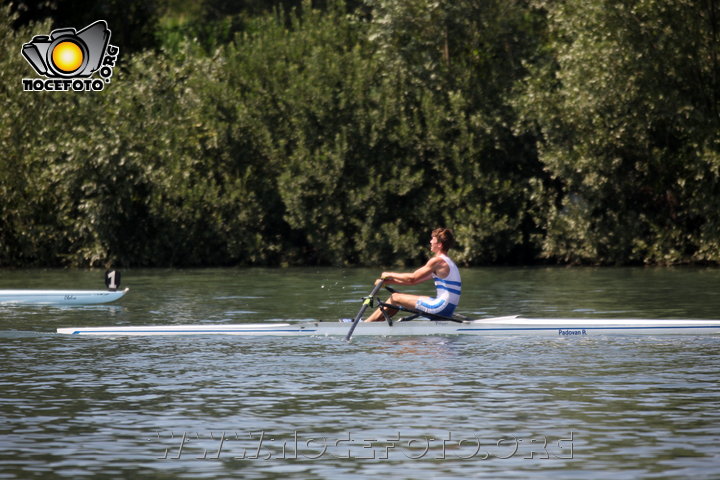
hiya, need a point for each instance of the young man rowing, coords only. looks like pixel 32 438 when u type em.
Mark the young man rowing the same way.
pixel 440 268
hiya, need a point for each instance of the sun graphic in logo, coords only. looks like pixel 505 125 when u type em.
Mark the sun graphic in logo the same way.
pixel 67 56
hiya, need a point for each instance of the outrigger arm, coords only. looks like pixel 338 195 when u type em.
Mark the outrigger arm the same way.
pixel 416 313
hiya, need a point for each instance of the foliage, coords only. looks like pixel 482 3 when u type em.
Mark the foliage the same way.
pixel 135 31
pixel 626 108
pixel 341 134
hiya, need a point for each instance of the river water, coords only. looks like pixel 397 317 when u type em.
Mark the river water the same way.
pixel 320 408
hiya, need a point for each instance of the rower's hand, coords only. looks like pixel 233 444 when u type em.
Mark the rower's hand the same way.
pixel 385 277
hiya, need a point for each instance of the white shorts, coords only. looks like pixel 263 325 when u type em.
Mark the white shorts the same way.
pixel 438 306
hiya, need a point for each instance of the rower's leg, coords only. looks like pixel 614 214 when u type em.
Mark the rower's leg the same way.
pixel 402 299
pixel 378 316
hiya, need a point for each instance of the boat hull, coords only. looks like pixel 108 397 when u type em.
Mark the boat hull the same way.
pixel 492 326
pixel 59 297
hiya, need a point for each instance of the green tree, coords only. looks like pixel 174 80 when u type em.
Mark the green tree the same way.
pixel 29 231
pixel 132 22
pixel 458 62
pixel 626 105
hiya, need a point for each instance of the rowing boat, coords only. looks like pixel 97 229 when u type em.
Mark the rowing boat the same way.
pixel 67 297
pixel 514 325
pixel 59 297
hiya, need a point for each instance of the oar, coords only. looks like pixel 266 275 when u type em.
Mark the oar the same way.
pixel 366 303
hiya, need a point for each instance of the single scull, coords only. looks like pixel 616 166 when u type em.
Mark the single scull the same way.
pixel 59 297
pixel 554 327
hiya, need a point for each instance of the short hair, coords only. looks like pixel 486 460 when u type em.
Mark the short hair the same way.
pixel 444 236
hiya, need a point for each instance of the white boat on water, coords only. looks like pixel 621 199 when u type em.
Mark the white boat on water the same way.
pixel 514 325
pixel 67 297
pixel 59 297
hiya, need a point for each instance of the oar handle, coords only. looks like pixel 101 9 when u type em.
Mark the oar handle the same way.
pixel 367 301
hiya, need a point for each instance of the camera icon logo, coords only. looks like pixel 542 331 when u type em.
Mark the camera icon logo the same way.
pixel 70 54
pixel 67 52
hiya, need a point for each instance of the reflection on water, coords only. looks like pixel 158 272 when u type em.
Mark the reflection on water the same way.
pixel 435 407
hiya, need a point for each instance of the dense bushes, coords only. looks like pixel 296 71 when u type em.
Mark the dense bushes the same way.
pixel 628 122
pixel 567 131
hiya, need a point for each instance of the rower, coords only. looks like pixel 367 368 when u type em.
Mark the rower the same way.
pixel 440 268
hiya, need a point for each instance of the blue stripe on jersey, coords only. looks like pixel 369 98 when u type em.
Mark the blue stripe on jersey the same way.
pixel 451 290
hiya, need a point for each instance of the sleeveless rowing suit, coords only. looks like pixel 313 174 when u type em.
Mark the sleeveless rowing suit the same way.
pixel 448 292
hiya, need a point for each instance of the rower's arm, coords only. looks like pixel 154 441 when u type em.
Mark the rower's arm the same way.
pixel 418 276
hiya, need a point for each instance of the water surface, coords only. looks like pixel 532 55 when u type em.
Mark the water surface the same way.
pixel 434 407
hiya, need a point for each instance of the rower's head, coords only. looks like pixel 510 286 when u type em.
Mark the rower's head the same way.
pixel 444 238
